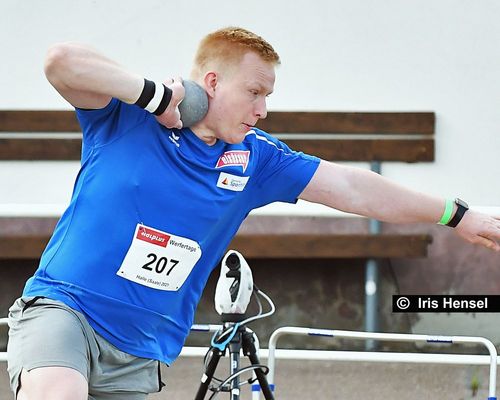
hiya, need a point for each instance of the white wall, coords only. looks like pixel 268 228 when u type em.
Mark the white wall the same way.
pixel 341 55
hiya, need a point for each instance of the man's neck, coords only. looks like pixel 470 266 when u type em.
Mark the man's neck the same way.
pixel 204 133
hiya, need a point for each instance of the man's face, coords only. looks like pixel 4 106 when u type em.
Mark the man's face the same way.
pixel 240 98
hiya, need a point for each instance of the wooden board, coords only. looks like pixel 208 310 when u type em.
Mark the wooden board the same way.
pixel 276 122
pixel 331 149
pixel 272 246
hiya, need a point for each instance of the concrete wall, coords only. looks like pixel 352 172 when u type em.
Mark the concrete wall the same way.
pixel 341 55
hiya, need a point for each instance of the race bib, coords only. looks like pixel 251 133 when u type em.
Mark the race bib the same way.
pixel 159 259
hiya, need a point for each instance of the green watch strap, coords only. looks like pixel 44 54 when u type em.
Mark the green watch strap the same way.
pixel 448 211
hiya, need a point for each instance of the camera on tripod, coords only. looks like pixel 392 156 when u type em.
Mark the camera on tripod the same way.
pixel 233 293
pixel 234 287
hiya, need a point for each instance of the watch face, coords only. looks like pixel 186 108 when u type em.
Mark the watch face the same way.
pixel 461 202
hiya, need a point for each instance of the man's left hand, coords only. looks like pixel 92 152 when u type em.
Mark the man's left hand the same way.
pixel 479 228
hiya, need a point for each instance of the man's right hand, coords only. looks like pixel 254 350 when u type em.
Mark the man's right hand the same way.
pixel 171 117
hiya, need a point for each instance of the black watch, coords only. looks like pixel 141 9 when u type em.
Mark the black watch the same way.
pixel 462 207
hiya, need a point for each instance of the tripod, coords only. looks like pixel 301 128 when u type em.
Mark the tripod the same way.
pixel 236 337
pixel 234 290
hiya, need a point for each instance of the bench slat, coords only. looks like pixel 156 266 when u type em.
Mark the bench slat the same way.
pixel 273 246
pixel 40 149
pixel 332 246
pixel 38 121
pixel 405 123
pixel 22 247
pixel 367 149
pixel 330 149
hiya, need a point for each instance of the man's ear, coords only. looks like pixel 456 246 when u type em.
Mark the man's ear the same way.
pixel 210 82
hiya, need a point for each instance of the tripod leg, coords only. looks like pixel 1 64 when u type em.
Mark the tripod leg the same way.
pixel 251 352
pixel 235 382
pixel 234 356
pixel 209 374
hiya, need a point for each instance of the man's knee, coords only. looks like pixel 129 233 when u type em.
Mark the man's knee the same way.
pixel 54 383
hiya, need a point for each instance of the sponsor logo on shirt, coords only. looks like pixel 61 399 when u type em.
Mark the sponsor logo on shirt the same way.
pixel 151 236
pixel 234 157
pixel 232 182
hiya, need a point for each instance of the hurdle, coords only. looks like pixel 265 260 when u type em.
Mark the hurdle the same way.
pixel 393 337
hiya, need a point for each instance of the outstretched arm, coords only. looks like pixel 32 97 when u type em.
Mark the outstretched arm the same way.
pixel 363 192
pixel 88 79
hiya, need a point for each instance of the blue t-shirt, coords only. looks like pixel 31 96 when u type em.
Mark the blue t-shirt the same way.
pixel 143 187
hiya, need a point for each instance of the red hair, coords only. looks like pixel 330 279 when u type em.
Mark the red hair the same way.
pixel 227 46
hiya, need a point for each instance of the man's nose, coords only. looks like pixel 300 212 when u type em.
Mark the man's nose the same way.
pixel 261 109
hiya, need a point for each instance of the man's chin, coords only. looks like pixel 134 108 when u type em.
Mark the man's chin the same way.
pixel 235 140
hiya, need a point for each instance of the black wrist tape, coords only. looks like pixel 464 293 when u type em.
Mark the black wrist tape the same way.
pixel 155 97
pixel 148 91
pixel 165 101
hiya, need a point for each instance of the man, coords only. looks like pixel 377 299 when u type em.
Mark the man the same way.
pixel 154 208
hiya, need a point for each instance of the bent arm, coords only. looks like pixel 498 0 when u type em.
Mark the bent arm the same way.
pixel 366 193
pixel 87 79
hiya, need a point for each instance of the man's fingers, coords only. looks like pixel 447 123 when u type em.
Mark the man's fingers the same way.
pixel 178 91
pixel 178 115
pixel 480 229
pixel 488 243
pixel 495 227
pixel 171 118
pixel 171 81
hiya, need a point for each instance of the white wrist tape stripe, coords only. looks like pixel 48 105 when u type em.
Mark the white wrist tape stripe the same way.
pixel 157 97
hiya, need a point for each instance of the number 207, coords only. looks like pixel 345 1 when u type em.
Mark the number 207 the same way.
pixel 160 264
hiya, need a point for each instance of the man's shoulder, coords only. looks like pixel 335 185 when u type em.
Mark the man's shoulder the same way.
pixel 268 142
pixel 115 110
pixel 259 137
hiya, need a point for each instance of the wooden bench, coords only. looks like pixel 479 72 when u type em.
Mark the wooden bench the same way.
pixel 337 136
pixel 372 137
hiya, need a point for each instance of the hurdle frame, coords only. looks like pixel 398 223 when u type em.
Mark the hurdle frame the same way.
pixel 394 337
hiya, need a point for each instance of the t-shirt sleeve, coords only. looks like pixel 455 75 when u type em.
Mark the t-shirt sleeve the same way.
pixel 282 174
pixel 104 125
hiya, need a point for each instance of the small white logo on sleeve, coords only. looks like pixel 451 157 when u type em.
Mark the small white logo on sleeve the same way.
pixel 174 139
pixel 232 182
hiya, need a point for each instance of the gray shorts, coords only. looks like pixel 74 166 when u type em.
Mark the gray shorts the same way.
pixel 45 333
